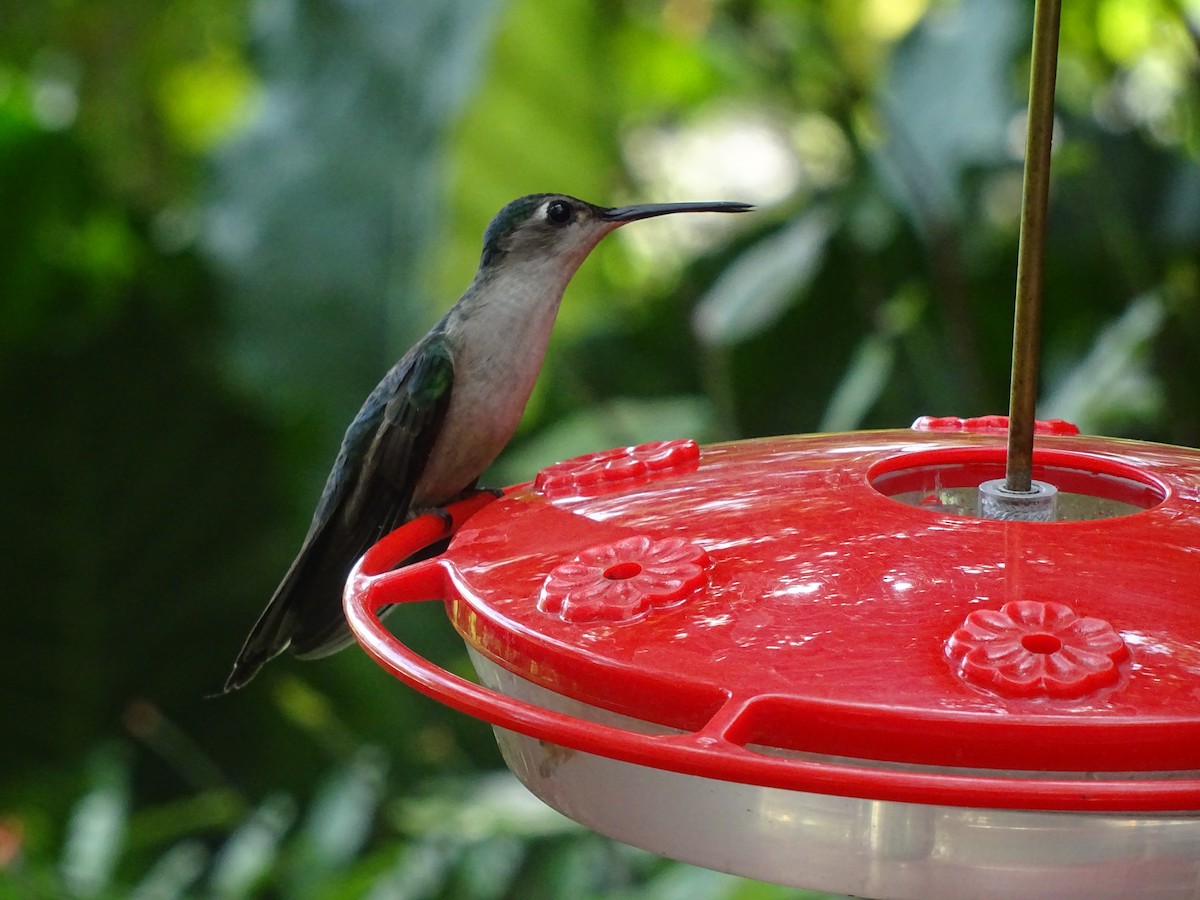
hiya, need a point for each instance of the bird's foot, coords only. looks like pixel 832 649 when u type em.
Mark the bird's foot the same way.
pixel 447 518
pixel 444 512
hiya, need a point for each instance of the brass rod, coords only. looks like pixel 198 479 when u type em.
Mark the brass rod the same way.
pixel 1031 251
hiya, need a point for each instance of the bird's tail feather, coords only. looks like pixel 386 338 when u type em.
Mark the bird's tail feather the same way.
pixel 268 638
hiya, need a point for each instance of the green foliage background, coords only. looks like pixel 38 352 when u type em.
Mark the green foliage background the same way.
pixel 220 222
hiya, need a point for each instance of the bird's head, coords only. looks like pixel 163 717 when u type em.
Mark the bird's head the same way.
pixel 545 229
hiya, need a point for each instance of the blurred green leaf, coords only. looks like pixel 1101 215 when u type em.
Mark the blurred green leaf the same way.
pixel 1111 385
pixel 683 882
pixel 327 205
pixel 174 874
pixel 480 808
pixel 252 849
pixel 947 103
pixel 421 870
pixel 870 369
pixel 489 867
pixel 340 820
pixel 861 384
pixel 755 290
pixel 211 808
pixel 96 830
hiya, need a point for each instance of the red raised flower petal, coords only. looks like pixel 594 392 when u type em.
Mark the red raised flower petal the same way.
pixel 1029 648
pixel 989 425
pixel 623 581
pixel 611 467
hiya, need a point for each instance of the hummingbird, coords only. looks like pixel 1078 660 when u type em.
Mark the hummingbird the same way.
pixel 441 415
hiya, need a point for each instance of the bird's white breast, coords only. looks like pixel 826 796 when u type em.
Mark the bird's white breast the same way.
pixel 499 346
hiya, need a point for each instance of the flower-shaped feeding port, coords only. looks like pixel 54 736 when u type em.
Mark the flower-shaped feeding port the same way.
pixel 1029 649
pixel 623 581
pixel 620 464
pixel 990 425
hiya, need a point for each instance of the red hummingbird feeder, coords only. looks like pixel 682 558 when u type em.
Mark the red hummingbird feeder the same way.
pixel 807 659
pixel 899 664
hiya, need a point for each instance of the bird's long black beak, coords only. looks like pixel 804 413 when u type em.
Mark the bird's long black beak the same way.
pixel 623 214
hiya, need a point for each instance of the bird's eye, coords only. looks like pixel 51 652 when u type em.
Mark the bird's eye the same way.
pixel 559 212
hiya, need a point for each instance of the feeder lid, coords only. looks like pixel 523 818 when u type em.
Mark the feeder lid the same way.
pixel 811 612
